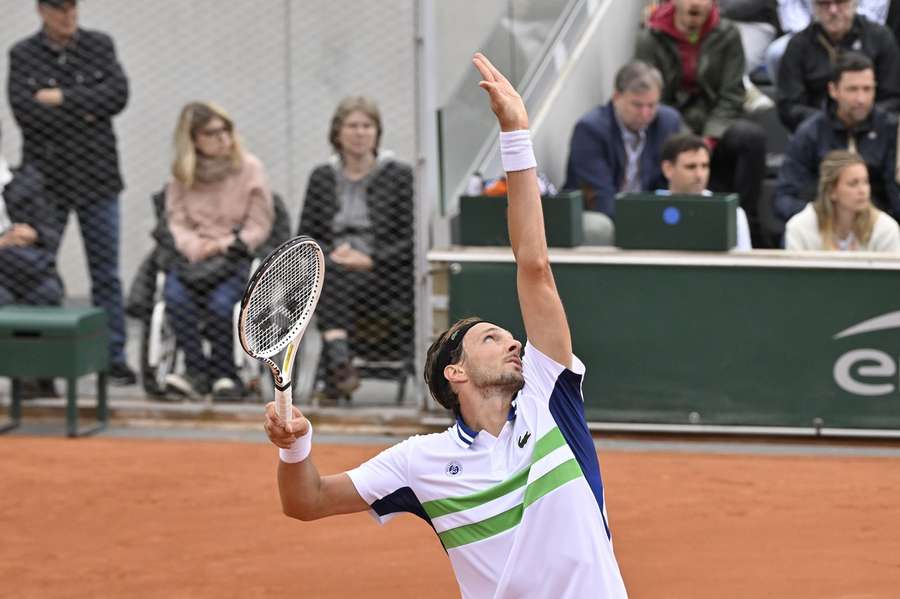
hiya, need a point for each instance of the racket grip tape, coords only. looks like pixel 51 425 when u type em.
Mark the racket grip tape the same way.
pixel 283 401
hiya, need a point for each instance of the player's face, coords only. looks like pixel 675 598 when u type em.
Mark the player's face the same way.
pixel 851 193
pixel 61 22
pixel 357 135
pixel 214 139
pixel 690 15
pixel 493 358
pixel 636 110
pixel 689 173
pixel 835 16
pixel 854 94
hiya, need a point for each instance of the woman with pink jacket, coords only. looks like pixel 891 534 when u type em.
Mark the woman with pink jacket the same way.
pixel 219 210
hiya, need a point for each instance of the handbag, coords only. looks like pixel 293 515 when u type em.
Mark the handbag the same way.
pixel 206 274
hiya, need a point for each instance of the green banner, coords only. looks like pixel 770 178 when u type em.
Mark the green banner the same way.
pixel 729 345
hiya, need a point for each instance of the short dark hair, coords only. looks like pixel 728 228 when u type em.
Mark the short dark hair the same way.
pixel 680 143
pixel 851 62
pixel 440 389
pixel 637 77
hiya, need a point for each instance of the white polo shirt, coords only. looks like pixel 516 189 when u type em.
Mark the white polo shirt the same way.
pixel 520 515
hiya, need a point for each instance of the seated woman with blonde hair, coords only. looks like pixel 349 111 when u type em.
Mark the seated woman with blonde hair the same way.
pixel 843 217
pixel 219 210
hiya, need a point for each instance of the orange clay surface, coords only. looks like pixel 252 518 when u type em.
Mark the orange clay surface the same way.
pixel 104 517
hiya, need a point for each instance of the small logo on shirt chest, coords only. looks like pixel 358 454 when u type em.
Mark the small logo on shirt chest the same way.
pixel 523 439
pixel 453 469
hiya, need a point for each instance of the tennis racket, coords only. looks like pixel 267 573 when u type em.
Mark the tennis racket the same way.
pixel 276 308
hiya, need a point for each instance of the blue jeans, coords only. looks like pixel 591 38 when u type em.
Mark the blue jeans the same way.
pixel 27 276
pixel 99 223
pixel 188 308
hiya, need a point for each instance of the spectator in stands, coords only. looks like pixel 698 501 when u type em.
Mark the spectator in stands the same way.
pixel 65 86
pixel 702 62
pixel 757 22
pixel 806 66
pixel 796 15
pixel 28 243
pixel 842 216
pixel 852 122
pixel 615 147
pixel 219 210
pixel 685 163
pixel 359 207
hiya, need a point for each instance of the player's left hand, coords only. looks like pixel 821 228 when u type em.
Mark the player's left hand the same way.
pixel 506 102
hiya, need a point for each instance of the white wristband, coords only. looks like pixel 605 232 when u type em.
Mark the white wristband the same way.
pixel 299 449
pixel 516 152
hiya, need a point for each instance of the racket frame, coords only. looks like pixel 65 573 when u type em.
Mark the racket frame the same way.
pixel 281 374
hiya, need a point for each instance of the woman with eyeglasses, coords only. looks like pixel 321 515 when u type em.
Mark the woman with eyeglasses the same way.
pixel 843 217
pixel 219 210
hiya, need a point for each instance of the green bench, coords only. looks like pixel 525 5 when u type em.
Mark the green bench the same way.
pixel 45 342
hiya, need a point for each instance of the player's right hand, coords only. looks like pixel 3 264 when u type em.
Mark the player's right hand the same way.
pixel 281 433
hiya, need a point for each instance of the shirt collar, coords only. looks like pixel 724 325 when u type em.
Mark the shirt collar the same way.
pixel 465 436
pixel 55 47
pixel 626 132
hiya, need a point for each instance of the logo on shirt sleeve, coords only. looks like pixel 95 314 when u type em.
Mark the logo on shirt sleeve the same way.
pixel 453 469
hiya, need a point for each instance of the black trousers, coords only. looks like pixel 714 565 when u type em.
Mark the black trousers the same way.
pixel 346 295
pixel 738 165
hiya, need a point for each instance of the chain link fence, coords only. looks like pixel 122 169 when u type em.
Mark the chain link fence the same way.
pixel 154 151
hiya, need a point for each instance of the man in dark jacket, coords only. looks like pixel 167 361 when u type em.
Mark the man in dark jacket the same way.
pixel 805 68
pixel 28 240
pixel 615 147
pixel 28 243
pixel 851 121
pixel 65 85
pixel 702 61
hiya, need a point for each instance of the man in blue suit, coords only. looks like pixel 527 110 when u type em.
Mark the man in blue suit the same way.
pixel 616 147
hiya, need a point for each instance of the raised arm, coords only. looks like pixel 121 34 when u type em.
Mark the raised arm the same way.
pixel 542 310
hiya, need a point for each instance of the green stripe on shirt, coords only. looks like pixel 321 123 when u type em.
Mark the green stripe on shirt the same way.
pixel 542 447
pixel 478 531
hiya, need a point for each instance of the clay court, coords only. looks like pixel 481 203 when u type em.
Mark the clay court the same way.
pixel 109 517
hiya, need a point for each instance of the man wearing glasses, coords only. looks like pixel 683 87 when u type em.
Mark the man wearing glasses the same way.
pixel 838 26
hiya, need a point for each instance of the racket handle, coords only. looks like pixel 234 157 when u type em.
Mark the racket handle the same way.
pixel 283 402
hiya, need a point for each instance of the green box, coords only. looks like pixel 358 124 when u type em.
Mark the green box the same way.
pixel 650 221
pixel 483 220
pixel 37 341
pixel 50 341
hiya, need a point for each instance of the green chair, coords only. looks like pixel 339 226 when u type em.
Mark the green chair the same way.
pixel 44 342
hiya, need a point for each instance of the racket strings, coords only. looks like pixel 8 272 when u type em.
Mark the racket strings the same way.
pixel 283 299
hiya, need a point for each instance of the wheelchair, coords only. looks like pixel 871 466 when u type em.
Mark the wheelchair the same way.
pixel 160 356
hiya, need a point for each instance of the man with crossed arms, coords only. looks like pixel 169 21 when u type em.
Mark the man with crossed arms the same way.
pixel 513 488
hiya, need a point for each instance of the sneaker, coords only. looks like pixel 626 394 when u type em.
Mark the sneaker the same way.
pixel 121 375
pixel 186 386
pixel 755 100
pixel 227 389
pixel 341 378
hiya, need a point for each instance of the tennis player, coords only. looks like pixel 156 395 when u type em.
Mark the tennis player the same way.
pixel 513 488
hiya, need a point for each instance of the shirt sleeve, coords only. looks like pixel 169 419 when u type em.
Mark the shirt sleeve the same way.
pixel 542 373
pixel 383 482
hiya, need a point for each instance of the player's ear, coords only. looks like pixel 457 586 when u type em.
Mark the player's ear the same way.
pixel 455 373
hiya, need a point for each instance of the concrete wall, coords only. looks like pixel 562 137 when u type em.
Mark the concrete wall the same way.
pixel 278 66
